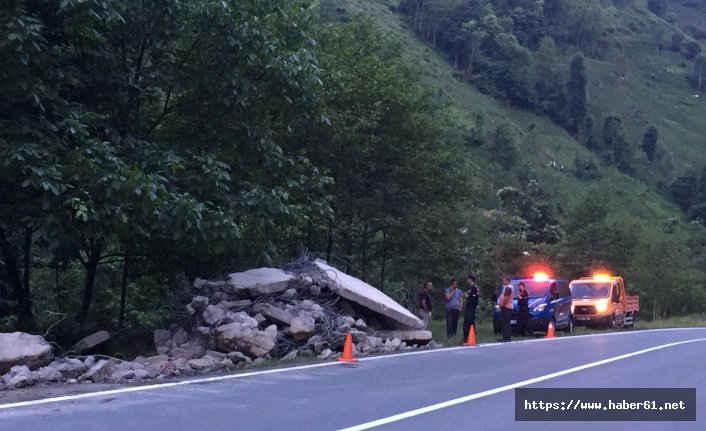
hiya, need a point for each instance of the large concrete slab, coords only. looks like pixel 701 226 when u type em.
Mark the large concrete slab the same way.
pixel 369 297
pixel 259 281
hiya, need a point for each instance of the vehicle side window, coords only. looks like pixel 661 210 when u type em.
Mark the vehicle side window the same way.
pixel 564 289
pixel 616 292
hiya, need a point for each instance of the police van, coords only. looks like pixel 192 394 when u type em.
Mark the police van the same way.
pixel 549 301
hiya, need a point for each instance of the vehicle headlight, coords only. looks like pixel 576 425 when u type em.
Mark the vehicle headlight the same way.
pixel 497 307
pixel 539 308
pixel 602 305
pixel 573 307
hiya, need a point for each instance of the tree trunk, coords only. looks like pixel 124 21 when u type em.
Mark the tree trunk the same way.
pixel 123 288
pixel 58 290
pixel 329 241
pixel 364 252
pixel 21 292
pixel 91 265
pixel 384 259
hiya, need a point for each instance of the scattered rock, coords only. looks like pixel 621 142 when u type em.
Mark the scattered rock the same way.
pixel 259 318
pixel 100 372
pixel 238 357
pixel 325 354
pixel 290 293
pixel 273 314
pixel 19 377
pixel 247 339
pixel 19 348
pixel 411 337
pixel 260 281
pixel 176 367
pixel 314 290
pixel 213 315
pixel 302 327
pixel 209 363
pixel 71 368
pixel 199 283
pixel 179 336
pixel 360 324
pixel 190 309
pixel 89 361
pixel 199 303
pixel 358 336
pixel 162 339
pixel 191 350
pixel 290 356
pixel 234 305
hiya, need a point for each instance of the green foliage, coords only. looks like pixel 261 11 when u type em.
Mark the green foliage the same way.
pixel 586 169
pixel 615 147
pixel 576 90
pixel 504 146
pixel 658 7
pixel 698 76
pixel 649 143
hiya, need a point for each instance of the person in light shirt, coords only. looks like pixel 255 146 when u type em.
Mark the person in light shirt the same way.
pixel 505 304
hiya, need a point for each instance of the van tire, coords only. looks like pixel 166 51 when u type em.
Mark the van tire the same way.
pixel 570 326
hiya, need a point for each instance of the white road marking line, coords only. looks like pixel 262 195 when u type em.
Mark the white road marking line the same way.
pixel 449 403
pixel 302 367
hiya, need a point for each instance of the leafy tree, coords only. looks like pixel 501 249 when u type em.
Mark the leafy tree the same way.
pixel 576 90
pixel 683 190
pixel 649 143
pixel 586 169
pixel 390 151
pixel 589 139
pixel 616 148
pixel 657 7
pixel 699 74
pixel 693 49
pixel 551 88
pixel 676 41
pixel 504 146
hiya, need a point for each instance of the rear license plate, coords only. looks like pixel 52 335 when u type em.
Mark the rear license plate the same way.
pixel 582 318
pixel 513 322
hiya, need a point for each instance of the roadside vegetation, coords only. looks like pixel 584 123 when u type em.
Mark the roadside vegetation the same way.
pixel 143 145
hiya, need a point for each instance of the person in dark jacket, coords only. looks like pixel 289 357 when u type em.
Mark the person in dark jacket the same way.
pixel 523 306
pixel 469 317
pixel 425 303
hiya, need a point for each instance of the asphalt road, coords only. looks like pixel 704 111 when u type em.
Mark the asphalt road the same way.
pixel 449 389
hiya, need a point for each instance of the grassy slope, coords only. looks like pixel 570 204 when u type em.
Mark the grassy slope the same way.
pixel 542 141
pixel 656 85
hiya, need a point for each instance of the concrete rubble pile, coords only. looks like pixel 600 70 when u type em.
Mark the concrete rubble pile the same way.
pixel 243 320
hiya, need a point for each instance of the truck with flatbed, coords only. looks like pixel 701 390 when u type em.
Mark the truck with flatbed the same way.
pixel 602 301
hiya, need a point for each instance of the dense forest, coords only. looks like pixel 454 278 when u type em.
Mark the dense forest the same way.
pixel 144 144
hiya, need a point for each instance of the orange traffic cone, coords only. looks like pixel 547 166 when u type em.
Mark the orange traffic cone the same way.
pixel 347 355
pixel 471 341
pixel 550 331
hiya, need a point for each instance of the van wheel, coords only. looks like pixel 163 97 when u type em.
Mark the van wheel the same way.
pixel 570 326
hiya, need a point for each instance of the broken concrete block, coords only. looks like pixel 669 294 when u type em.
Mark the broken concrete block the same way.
pixel 365 295
pixel 260 281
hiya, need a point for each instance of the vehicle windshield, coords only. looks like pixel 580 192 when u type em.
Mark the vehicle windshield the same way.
pixel 590 290
pixel 536 289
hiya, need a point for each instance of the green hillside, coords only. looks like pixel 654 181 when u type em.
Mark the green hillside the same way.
pixel 542 141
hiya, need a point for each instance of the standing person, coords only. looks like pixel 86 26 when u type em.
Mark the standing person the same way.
pixel 469 317
pixel 505 304
pixel 425 303
pixel 523 306
pixel 454 303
